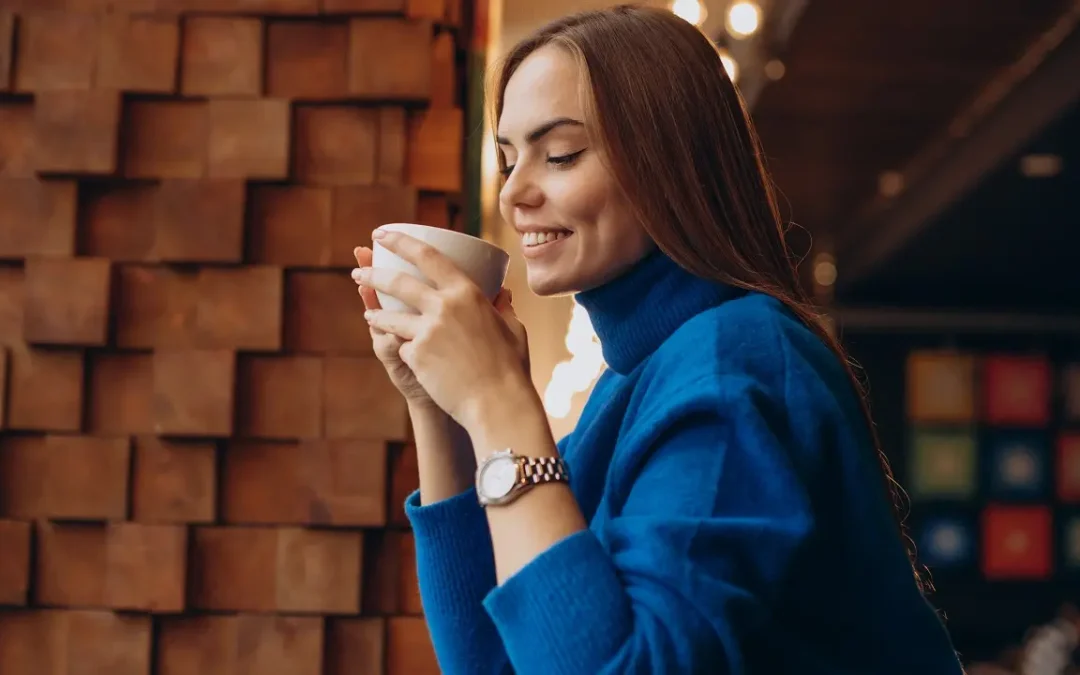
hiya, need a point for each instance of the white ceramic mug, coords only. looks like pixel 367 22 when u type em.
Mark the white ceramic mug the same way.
pixel 484 263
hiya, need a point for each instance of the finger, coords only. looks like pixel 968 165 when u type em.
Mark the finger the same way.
pixel 371 300
pixel 504 301
pixel 363 256
pixel 432 264
pixel 404 287
pixel 404 326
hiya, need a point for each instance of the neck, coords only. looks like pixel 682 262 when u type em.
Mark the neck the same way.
pixel 636 312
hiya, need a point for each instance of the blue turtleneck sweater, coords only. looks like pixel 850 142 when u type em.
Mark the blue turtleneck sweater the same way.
pixel 738 521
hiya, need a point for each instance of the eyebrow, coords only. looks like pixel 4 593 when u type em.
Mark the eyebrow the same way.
pixel 545 128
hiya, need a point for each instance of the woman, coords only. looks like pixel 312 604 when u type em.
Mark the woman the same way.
pixel 725 511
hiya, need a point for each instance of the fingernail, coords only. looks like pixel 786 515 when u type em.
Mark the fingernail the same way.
pixel 378 234
pixel 357 274
pixel 369 315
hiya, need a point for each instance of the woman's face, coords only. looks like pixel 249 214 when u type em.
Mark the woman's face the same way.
pixel 576 230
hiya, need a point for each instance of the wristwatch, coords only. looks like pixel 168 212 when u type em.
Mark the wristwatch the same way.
pixel 505 476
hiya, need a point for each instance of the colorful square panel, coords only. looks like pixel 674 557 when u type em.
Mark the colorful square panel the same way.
pixel 1070 542
pixel 942 464
pixel 946 542
pixel 1017 390
pixel 1071 385
pixel 1017 465
pixel 940 387
pixel 1068 467
pixel 1017 542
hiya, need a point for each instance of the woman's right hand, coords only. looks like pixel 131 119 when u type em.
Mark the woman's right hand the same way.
pixel 387 346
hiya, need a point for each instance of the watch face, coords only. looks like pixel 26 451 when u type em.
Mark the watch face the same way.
pixel 498 477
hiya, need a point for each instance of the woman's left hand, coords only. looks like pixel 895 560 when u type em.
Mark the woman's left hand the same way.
pixel 465 351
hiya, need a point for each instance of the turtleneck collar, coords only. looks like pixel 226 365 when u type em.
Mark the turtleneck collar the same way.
pixel 634 313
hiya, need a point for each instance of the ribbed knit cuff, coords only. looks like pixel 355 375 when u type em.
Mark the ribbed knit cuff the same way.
pixel 565 612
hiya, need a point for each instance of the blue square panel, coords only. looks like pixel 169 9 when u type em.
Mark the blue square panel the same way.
pixel 1018 465
pixel 946 541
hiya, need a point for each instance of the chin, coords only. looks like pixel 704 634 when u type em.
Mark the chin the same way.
pixel 550 285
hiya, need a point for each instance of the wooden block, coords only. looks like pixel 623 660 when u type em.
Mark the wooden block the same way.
pixel 249 139
pixel 37 217
pixel 155 307
pixel 290 225
pixel 70 564
pixel 336 145
pixel 45 390
pixel 390 584
pixel 239 308
pixel 7 47
pixel 15 562
pixel 146 567
pixel 279 397
pixel 435 10
pixel 233 569
pixel 404 480
pixel 67 477
pixel 76 131
pixel 268 7
pixel 87 477
pixel 246 644
pixel 323 314
pixel 340 483
pixel 117 219
pixel 444 71
pixel 359 401
pixel 433 210
pixel 100 642
pixel 390 59
pixel 56 50
pixel 318 571
pixel 16 134
pixel 355 646
pixel 393 150
pixel 173 482
pixel 363 6
pixel 121 385
pixel 435 150
pixel 222 56
pixel 199 221
pixel 408 647
pixel 307 60
pixel 193 392
pixel 165 139
pixel 11 306
pixel 358 210
pixel 67 301
pixel 74 641
pixel 277 569
pixel 138 53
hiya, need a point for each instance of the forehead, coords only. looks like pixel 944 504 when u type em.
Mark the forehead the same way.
pixel 544 86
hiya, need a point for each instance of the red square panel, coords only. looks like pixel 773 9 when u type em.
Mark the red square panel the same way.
pixel 1017 542
pixel 1068 467
pixel 1017 390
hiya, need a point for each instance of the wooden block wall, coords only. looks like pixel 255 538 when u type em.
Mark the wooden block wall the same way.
pixel 202 465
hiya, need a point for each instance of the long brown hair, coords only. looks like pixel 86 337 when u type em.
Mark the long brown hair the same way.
pixel 680 144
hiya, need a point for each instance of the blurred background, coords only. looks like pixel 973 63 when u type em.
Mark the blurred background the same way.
pixel 202 466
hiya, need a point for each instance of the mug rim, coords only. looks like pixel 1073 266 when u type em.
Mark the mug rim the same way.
pixel 452 233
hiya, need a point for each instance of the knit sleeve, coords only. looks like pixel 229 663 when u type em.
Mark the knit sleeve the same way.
pixel 455 567
pixel 713 514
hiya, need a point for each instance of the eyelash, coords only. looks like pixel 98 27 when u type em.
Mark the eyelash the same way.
pixel 559 162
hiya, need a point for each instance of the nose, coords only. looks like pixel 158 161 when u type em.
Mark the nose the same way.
pixel 520 191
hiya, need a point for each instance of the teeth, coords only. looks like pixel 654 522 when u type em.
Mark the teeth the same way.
pixel 537 238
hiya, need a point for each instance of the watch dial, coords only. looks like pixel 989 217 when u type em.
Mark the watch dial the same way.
pixel 498 478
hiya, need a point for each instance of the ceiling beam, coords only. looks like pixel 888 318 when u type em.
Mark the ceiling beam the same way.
pixel 1026 97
